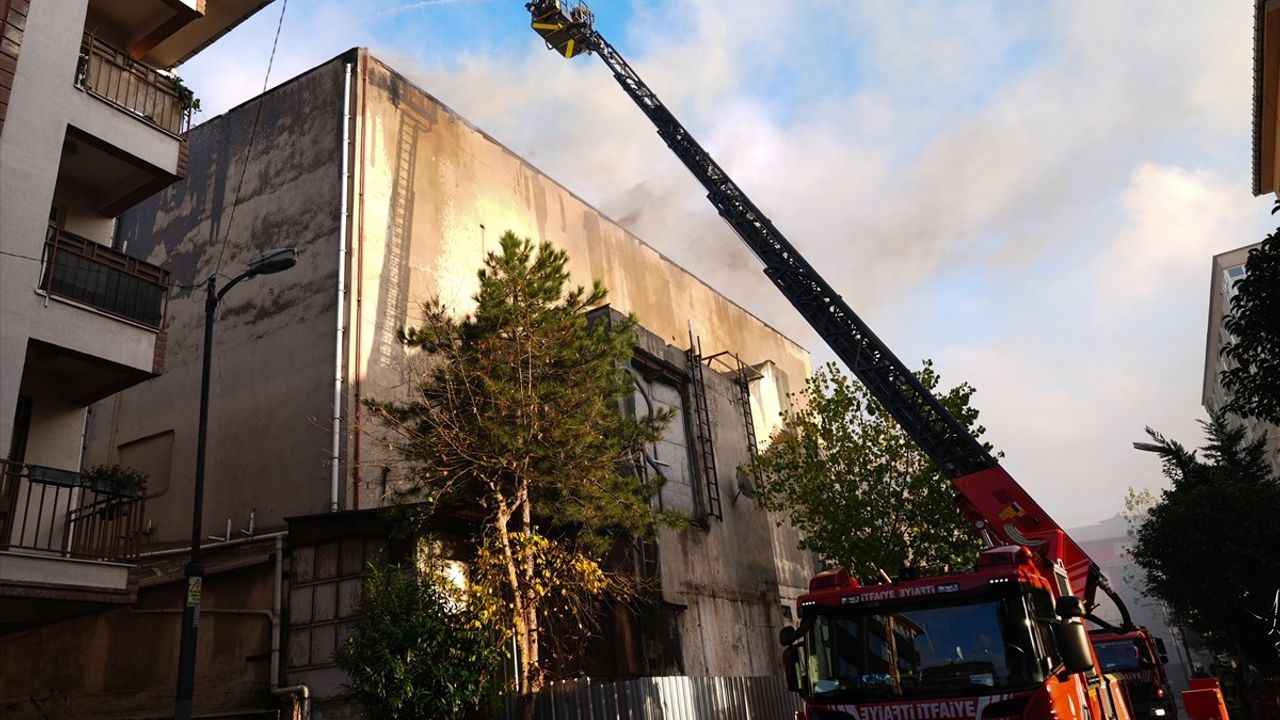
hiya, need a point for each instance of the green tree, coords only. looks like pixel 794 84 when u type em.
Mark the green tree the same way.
pixel 416 652
pixel 1254 324
pixel 861 492
pixel 1208 544
pixel 516 414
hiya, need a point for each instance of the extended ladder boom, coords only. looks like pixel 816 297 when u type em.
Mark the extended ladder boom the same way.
pixel 919 413
pixel 989 496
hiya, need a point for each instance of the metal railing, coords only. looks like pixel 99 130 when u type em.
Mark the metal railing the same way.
pixel 60 511
pixel 87 272
pixel 665 698
pixel 135 87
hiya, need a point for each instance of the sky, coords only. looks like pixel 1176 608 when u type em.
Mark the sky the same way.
pixel 1030 194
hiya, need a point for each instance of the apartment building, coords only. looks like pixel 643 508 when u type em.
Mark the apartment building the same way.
pixel 91 123
pixel 1226 269
pixel 391 197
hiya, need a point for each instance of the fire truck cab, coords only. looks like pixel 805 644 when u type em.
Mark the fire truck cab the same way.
pixel 1139 658
pixel 992 643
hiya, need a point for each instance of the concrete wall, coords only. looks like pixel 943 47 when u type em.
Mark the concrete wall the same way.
pixel 272 373
pixel 123 663
pixel 437 193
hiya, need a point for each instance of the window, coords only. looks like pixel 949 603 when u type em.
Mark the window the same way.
pixel 1120 655
pixel 658 387
pixel 1230 276
pixel 959 648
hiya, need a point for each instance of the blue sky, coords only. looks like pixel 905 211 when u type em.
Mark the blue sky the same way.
pixel 1028 193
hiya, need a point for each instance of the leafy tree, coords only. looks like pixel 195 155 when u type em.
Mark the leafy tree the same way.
pixel 862 493
pixel 1254 323
pixel 416 651
pixel 1208 544
pixel 515 413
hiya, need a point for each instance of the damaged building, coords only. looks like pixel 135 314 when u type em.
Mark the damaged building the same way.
pixel 390 197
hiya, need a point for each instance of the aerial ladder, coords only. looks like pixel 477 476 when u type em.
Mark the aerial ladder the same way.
pixel 998 507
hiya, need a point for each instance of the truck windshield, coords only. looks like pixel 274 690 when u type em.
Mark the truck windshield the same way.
pixel 1116 655
pixel 978 646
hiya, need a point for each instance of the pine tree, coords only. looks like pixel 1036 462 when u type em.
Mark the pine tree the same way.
pixel 1208 544
pixel 516 412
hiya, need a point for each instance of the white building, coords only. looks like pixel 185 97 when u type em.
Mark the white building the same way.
pixel 90 124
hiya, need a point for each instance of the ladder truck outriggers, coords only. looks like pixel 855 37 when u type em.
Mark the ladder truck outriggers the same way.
pixel 1006 640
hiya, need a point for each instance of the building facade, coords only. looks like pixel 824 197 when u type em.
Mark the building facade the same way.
pixel 390 198
pixel 1227 268
pixel 91 123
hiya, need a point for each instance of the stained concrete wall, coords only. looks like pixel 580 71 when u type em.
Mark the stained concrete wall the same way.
pixel 436 193
pixel 273 349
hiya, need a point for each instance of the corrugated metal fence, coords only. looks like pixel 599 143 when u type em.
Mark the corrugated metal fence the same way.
pixel 666 698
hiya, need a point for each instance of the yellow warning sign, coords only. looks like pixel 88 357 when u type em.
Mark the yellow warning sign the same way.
pixel 195 586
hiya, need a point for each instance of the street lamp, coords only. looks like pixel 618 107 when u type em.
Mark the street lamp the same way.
pixel 272 261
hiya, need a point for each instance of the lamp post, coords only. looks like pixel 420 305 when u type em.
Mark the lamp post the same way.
pixel 272 261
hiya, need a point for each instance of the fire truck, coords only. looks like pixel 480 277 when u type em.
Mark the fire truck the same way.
pixel 1139 658
pixel 1006 640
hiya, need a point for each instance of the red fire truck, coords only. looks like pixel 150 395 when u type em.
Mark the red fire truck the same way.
pixel 1004 641
pixel 1138 657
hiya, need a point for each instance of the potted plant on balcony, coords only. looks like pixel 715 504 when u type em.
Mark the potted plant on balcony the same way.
pixel 116 480
pixel 186 97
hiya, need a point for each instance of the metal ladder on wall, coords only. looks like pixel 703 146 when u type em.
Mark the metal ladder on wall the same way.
pixel 742 375
pixel 706 452
pixel 395 272
pixel 744 397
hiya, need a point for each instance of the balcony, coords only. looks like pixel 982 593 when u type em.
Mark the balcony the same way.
pixel 164 33
pixel 60 513
pixel 66 545
pixel 105 280
pixel 110 74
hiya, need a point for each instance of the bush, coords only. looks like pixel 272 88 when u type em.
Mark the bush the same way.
pixel 416 652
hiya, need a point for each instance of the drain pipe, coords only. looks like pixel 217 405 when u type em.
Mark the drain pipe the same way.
pixel 340 334
pixel 276 597
pixel 213 545
pixel 300 691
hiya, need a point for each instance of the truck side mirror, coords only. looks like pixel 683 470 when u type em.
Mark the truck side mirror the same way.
pixel 787 636
pixel 793 668
pixel 1069 606
pixel 1164 654
pixel 1073 642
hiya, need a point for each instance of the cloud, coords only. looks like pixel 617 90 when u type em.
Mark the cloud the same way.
pixel 1175 219
pixel 1028 193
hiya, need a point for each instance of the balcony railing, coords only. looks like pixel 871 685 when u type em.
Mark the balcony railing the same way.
pixel 140 90
pixel 87 272
pixel 60 512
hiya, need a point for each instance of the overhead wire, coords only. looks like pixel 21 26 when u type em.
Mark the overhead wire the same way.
pixel 253 129
pixel 22 257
